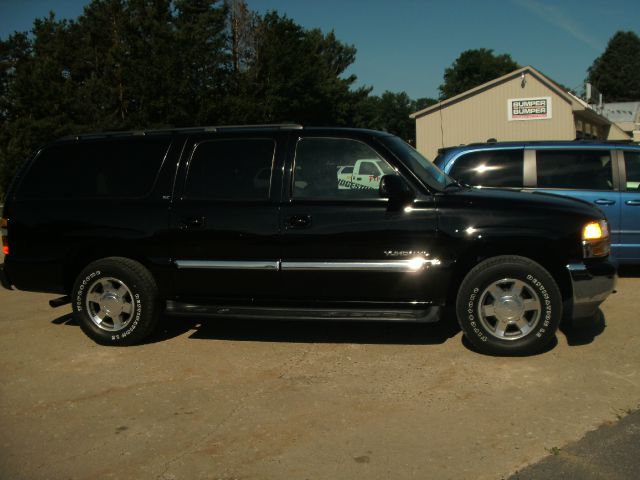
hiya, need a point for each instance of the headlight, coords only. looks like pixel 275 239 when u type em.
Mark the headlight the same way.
pixel 595 239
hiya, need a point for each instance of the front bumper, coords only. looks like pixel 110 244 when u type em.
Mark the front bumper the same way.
pixel 4 280
pixel 591 285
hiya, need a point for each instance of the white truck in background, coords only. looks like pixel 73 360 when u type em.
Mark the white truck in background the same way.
pixel 364 174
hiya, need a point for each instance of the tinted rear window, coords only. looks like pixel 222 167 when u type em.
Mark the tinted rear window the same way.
pixel 574 169
pixel 231 169
pixel 114 168
pixel 498 168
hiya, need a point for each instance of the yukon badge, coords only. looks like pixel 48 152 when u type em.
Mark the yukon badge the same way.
pixel 405 253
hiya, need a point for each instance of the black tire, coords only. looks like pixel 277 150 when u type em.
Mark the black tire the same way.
pixel 126 298
pixel 522 314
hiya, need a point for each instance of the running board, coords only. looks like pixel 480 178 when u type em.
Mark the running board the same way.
pixel 427 315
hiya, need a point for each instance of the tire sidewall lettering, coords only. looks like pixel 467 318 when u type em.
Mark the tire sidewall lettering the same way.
pixel 545 298
pixel 138 313
pixel 475 326
pixel 82 289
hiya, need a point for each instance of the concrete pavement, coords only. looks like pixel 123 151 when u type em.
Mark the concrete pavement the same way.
pixel 239 399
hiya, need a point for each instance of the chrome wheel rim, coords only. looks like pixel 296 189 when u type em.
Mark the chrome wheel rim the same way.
pixel 109 304
pixel 509 309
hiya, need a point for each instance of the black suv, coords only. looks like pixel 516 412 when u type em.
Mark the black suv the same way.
pixel 249 222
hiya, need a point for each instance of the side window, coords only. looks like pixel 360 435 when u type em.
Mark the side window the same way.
pixel 323 169
pixel 231 169
pixel 369 168
pixel 104 168
pixel 498 168
pixel 632 167
pixel 574 169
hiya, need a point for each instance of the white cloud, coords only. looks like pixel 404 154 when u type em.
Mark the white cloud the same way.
pixel 555 16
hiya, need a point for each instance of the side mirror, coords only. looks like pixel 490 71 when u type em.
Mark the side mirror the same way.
pixel 395 189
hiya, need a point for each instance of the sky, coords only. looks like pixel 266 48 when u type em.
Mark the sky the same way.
pixel 405 45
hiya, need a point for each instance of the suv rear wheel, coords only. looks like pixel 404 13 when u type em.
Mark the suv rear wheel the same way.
pixel 509 305
pixel 115 301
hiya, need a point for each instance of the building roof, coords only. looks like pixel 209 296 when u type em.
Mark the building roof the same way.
pixel 496 81
pixel 622 111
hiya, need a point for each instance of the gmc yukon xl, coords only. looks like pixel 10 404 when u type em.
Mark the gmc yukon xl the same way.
pixel 253 221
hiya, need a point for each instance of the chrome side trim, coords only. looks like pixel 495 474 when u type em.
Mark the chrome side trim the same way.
pixel 229 264
pixel 413 265
pixel 410 265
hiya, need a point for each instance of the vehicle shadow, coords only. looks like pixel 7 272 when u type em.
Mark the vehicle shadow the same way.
pixel 583 331
pixel 629 270
pixel 66 319
pixel 303 331
pixel 287 331
pixel 578 332
pixel 550 346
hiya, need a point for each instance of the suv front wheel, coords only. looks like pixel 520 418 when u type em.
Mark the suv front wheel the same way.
pixel 509 305
pixel 115 301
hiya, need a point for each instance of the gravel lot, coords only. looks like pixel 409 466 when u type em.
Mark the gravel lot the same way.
pixel 237 399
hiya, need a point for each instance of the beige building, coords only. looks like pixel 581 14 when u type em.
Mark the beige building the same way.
pixel 625 115
pixel 522 105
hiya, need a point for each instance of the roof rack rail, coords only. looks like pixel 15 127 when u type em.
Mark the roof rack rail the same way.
pixel 204 129
pixel 594 140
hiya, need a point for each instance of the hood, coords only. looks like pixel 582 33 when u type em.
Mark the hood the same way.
pixel 527 201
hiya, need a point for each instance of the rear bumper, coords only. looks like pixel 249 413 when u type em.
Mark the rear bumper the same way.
pixel 4 279
pixel 591 285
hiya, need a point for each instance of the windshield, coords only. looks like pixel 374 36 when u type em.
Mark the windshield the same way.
pixel 426 171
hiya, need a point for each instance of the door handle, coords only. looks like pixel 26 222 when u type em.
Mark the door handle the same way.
pixel 189 223
pixel 604 201
pixel 633 202
pixel 299 221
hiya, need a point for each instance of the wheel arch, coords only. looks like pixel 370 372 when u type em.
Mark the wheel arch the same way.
pixel 76 263
pixel 537 250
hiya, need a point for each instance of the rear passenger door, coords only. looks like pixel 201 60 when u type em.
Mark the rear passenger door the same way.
pixel 224 220
pixel 587 174
pixel 630 204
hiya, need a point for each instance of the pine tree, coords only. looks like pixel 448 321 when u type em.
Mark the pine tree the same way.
pixel 616 73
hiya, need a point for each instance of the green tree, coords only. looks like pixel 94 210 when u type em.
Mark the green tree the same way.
pixel 36 97
pixel 202 61
pixel 473 68
pixel 296 75
pixel 390 112
pixel 130 64
pixel 616 73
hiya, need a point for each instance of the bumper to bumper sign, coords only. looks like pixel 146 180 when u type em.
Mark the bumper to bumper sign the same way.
pixel 590 287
